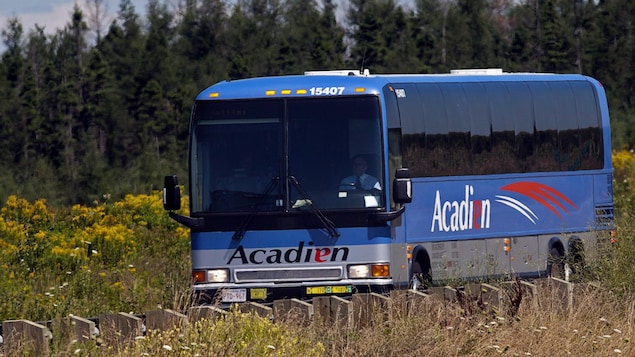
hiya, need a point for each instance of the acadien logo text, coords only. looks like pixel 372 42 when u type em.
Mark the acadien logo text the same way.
pixel 301 254
pixel 453 216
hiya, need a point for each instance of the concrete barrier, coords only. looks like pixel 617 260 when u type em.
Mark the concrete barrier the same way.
pixel 292 310
pixel 196 313
pixel 445 293
pixel 120 329
pixel 25 338
pixel 22 337
pixel 75 328
pixel 370 308
pixel 165 319
pixel 333 310
pixel 555 294
pixel 519 295
pixel 256 308
pixel 409 303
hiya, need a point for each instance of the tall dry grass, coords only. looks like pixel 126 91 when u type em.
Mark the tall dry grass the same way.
pixel 599 323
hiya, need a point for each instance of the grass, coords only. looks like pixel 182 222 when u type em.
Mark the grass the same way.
pixel 600 324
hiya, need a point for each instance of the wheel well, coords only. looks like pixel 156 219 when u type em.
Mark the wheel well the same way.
pixel 420 255
pixel 576 254
pixel 557 244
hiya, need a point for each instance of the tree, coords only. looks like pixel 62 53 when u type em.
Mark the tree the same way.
pixel 612 44
pixel 12 130
pixel 121 48
pixel 202 45
pixel 430 23
pixel 66 97
pixel 382 36
pixel 97 16
pixel 310 38
pixel 253 38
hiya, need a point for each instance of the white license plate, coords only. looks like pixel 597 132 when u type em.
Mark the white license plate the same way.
pixel 234 295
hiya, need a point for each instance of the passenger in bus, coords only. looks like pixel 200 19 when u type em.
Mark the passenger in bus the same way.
pixel 245 177
pixel 360 180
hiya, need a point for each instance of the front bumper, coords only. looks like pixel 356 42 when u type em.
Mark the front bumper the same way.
pixel 226 294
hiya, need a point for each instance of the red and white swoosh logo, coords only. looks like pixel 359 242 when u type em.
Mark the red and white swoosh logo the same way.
pixel 547 196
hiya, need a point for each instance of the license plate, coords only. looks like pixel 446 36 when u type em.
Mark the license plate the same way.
pixel 234 295
pixel 258 294
pixel 321 290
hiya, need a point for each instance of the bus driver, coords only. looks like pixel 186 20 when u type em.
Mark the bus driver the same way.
pixel 360 180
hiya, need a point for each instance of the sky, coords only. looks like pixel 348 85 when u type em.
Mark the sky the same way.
pixel 52 14
pixel 55 14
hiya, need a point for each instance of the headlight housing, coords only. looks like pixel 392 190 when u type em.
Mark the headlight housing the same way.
pixel 361 271
pixel 210 276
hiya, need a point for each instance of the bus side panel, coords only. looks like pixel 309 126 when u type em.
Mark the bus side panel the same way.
pixel 476 207
pixel 481 227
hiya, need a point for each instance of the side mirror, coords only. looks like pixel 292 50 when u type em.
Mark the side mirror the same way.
pixel 171 193
pixel 402 186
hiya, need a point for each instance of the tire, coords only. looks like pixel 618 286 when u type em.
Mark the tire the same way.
pixel 556 265
pixel 420 279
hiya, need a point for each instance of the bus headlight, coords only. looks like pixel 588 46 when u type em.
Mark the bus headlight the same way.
pixel 368 271
pixel 210 276
pixel 358 271
pixel 217 276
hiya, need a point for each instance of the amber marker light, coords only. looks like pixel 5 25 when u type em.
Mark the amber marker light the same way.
pixel 300 91
pixel 409 250
pixel 380 270
pixel 360 90
pixel 198 276
pixel 285 91
pixel 270 92
pixel 214 95
pixel 507 242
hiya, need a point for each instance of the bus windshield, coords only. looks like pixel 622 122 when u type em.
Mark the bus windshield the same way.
pixel 286 155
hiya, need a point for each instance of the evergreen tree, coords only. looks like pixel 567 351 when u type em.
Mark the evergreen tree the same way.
pixel 13 134
pixel 310 38
pixel 558 28
pixel 201 45
pixel 121 48
pixel 544 38
pixel 382 36
pixel 253 38
pixel 613 48
pixel 66 99
pixel 101 104
pixel 37 174
pixel 13 128
pixel 460 50
pixel 486 42
pixel 430 23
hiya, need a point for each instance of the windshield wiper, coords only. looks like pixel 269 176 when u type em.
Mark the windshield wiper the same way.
pixel 240 232
pixel 307 201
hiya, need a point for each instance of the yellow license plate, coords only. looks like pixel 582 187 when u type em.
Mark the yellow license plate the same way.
pixel 258 294
pixel 321 290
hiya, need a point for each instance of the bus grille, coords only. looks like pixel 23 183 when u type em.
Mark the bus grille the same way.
pixel 604 216
pixel 281 275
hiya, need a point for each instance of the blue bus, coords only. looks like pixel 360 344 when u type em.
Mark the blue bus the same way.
pixel 337 182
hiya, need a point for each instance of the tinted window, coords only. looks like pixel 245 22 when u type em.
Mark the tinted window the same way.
pixel 500 127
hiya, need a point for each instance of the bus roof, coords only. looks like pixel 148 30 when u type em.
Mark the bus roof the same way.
pixel 352 82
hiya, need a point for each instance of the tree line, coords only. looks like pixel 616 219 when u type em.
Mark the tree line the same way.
pixel 100 108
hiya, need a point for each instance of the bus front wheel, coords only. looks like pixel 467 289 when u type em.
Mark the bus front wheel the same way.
pixel 421 276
